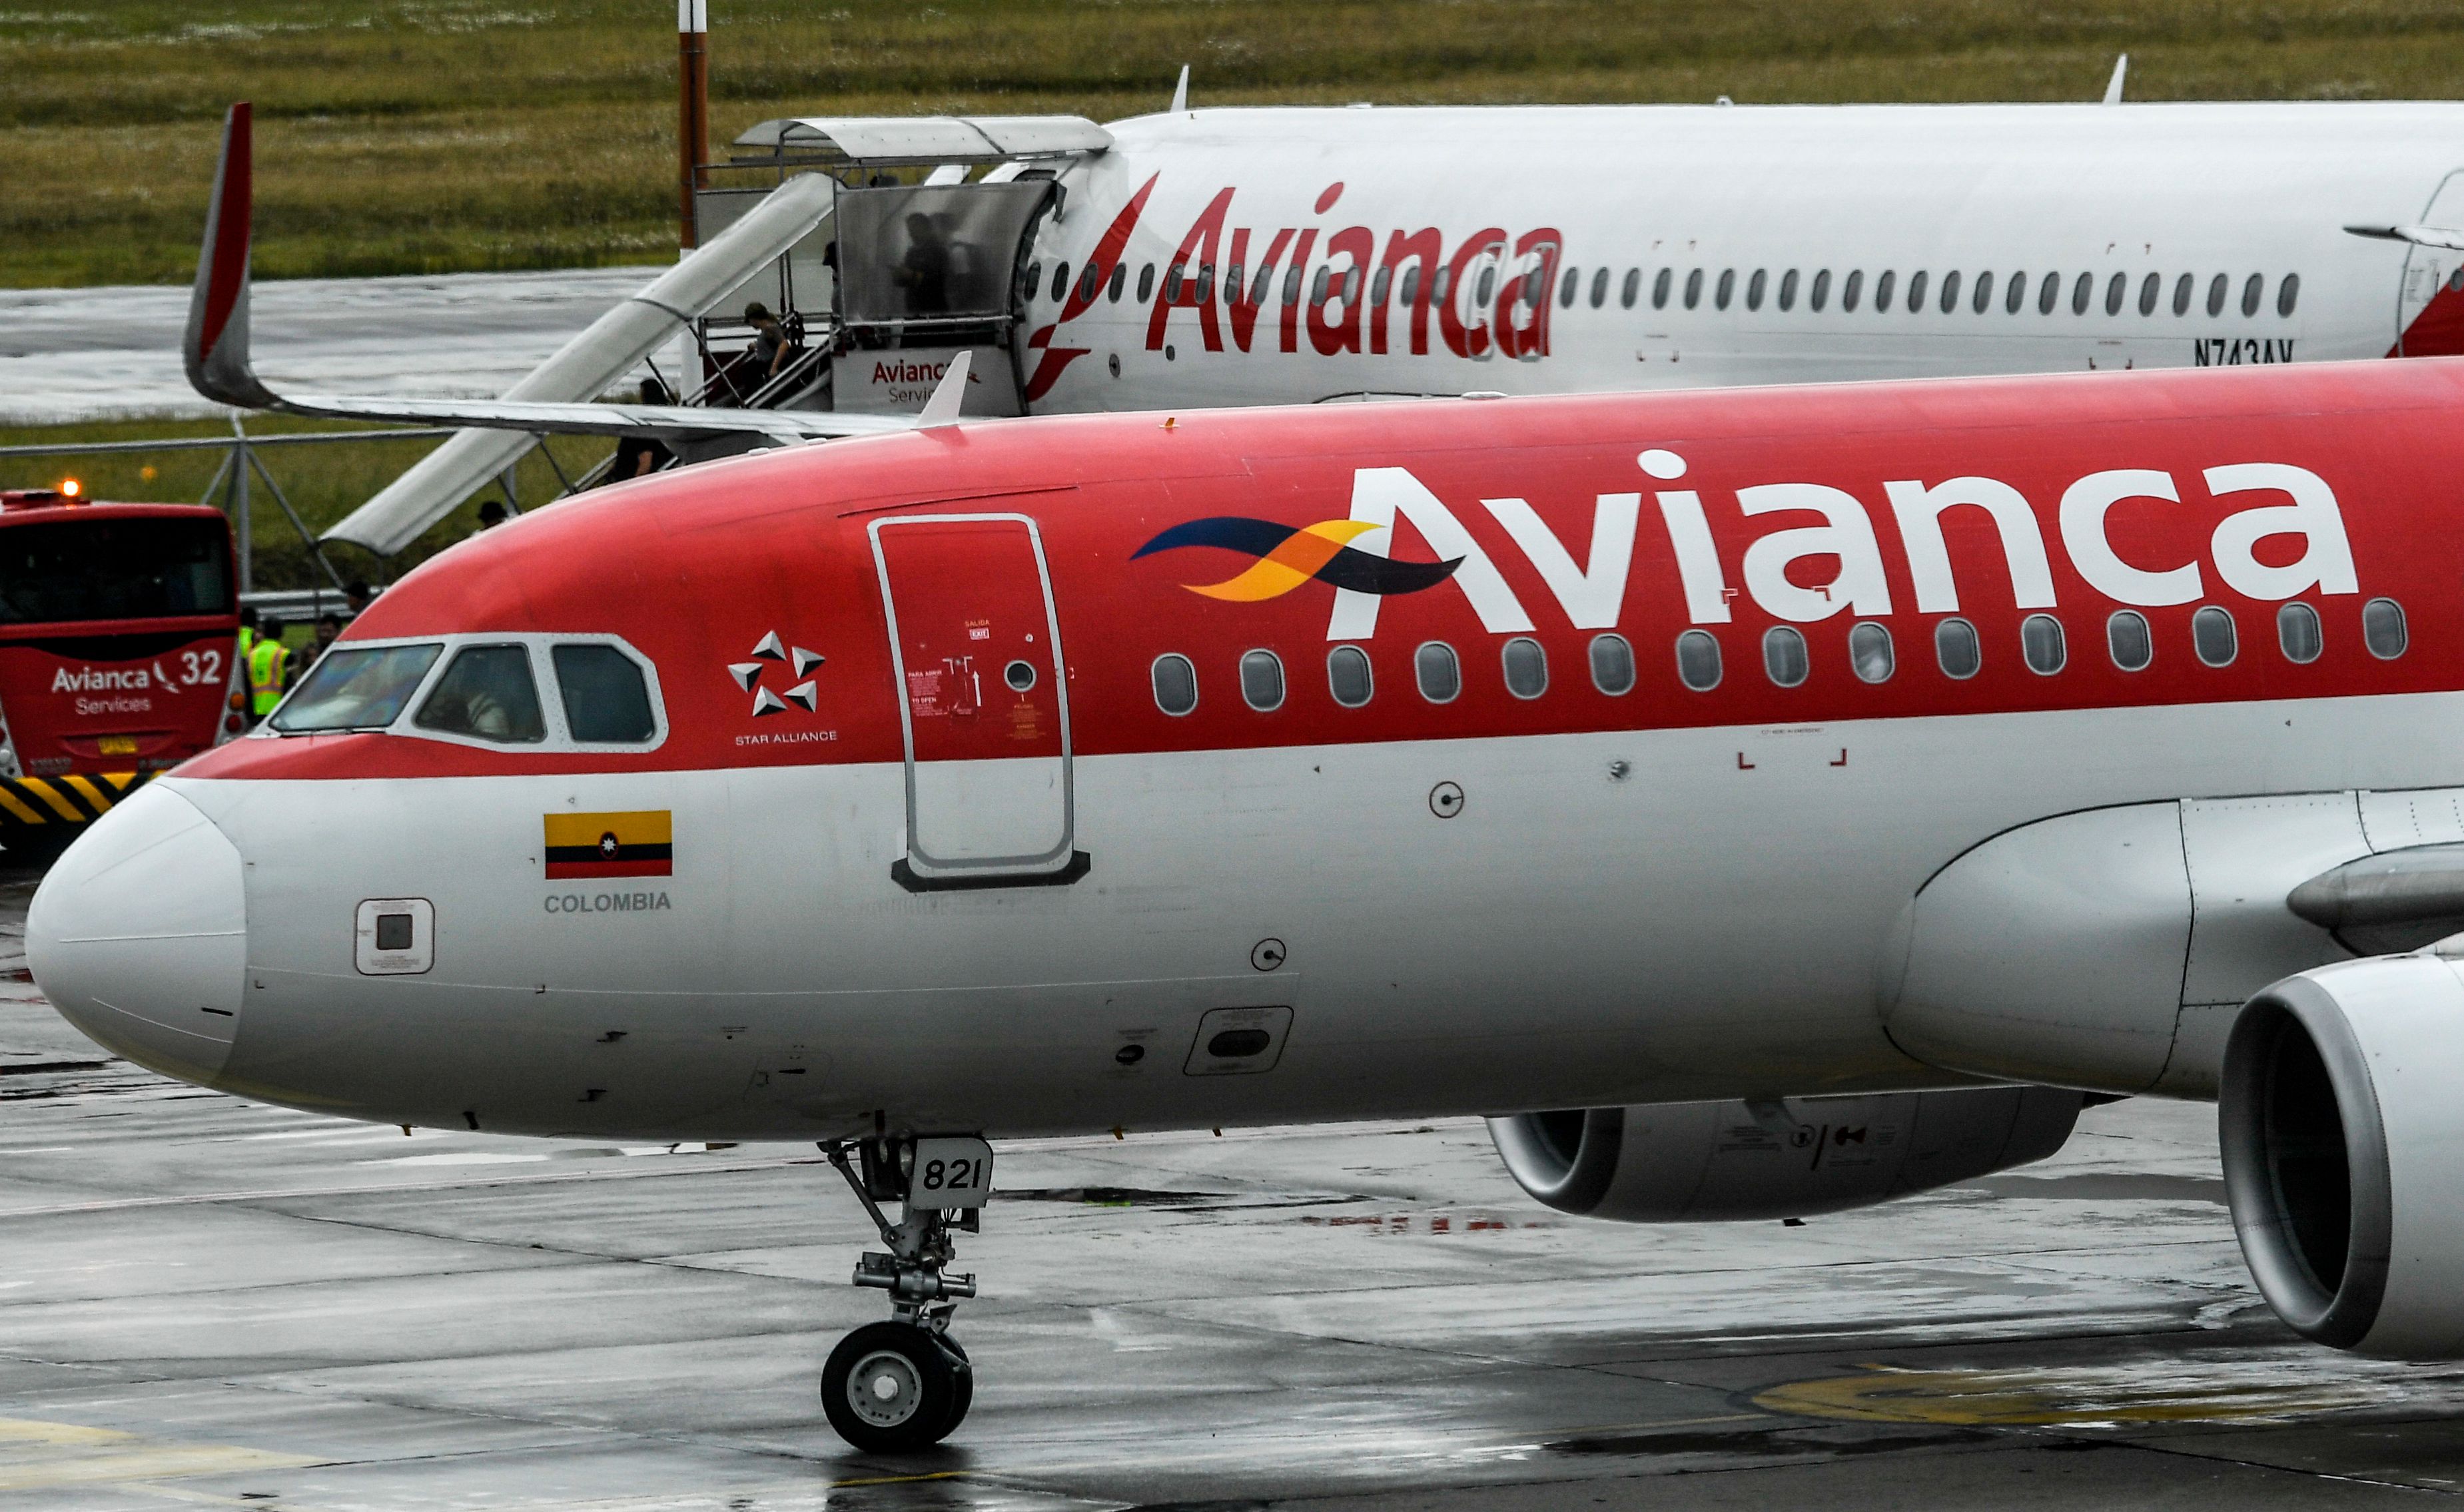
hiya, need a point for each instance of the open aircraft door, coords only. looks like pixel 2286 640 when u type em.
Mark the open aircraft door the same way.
pixel 2434 275
pixel 922 272
pixel 983 701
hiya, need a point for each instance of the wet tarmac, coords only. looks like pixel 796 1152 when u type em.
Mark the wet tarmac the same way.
pixel 82 354
pixel 211 1303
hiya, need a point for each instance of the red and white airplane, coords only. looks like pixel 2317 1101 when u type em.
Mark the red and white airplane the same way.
pixel 1760 802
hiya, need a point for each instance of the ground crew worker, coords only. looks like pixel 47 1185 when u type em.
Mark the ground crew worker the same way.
pixel 269 666
pixel 247 631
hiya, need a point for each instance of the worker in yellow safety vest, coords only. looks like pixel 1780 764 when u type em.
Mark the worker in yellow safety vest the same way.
pixel 247 633
pixel 268 669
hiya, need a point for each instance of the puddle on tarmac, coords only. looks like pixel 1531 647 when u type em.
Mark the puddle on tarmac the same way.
pixel 1453 1221
pixel 2262 1386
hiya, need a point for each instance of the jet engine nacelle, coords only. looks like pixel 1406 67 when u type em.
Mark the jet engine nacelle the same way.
pixel 2341 1116
pixel 1709 1162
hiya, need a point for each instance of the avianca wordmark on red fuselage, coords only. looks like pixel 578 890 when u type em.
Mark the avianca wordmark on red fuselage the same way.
pixel 1901 507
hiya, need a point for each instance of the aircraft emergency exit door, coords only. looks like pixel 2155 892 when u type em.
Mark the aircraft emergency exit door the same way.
pixel 975 650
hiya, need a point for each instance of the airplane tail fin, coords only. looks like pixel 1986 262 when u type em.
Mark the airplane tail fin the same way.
pixel 216 345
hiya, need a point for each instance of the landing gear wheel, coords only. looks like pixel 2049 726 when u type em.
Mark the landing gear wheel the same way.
pixel 965 1396
pixel 891 1387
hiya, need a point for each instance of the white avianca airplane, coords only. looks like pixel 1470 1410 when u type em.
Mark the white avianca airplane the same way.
pixel 1216 257
pixel 1759 802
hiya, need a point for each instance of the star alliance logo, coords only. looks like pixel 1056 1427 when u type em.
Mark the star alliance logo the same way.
pixel 770 652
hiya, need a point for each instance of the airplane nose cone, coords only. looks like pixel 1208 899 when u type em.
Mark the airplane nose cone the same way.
pixel 139 936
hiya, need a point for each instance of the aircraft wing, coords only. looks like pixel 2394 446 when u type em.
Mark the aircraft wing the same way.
pixel 2442 236
pixel 220 365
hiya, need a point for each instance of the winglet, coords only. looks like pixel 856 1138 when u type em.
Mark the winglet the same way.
pixel 1181 92
pixel 2445 238
pixel 2113 86
pixel 216 346
pixel 942 408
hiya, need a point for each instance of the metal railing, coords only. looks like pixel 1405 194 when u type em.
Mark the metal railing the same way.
pixel 230 482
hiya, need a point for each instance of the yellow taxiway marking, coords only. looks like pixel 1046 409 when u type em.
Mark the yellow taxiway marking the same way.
pixel 900 1480
pixel 2052 1398
pixel 39 1456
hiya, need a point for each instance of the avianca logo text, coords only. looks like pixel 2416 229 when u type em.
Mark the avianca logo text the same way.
pixel 1841 546
pixel 96 679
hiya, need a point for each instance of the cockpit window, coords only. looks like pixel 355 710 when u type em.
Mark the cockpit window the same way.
pixel 487 692
pixel 355 689
pixel 606 697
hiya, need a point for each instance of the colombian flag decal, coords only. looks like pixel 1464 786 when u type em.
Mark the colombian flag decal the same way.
pixel 638 845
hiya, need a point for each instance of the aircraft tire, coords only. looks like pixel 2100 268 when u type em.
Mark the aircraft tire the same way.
pixel 891 1387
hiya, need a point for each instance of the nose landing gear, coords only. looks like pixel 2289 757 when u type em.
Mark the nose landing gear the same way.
pixel 906 1384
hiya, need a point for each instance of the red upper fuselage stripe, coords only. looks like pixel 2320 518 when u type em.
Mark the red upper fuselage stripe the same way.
pixel 2152 493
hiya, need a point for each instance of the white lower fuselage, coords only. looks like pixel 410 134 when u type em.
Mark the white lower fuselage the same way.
pixel 1706 926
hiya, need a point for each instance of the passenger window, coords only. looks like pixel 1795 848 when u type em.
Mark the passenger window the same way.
pixel 2041 642
pixel 1883 287
pixel 1060 280
pixel 2286 292
pixel 486 691
pixel 1984 299
pixel 1869 652
pixel 1727 286
pixel 2114 289
pixel 1411 284
pixel 2297 631
pixel 1660 288
pixel 1694 288
pixel 1697 660
pixel 1569 288
pixel 1631 290
pixel 1347 676
pixel 2217 288
pixel 1350 286
pixel 1821 291
pixel 2182 288
pixel 1292 284
pixel 1916 292
pixel 1176 683
pixel 1317 285
pixel 2149 288
pixel 1601 287
pixel 1788 291
pixel 1120 281
pixel 2127 638
pixel 2383 629
pixel 1439 282
pixel 1950 291
pixel 2016 294
pixel 1089 283
pixel 1486 289
pixel 2048 292
pixel 1380 284
pixel 1526 668
pixel 1236 278
pixel 1783 656
pixel 2081 293
pixel 1849 288
pixel 2250 293
pixel 1955 647
pixel 1146 283
pixel 1440 676
pixel 1754 287
pixel 1172 283
pixel 1262 681
pixel 2212 637
pixel 1612 665
pixel 606 699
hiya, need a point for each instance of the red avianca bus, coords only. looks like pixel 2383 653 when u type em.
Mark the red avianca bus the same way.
pixel 118 638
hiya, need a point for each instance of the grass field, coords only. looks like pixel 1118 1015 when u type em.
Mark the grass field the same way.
pixel 412 136
pixel 408 135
